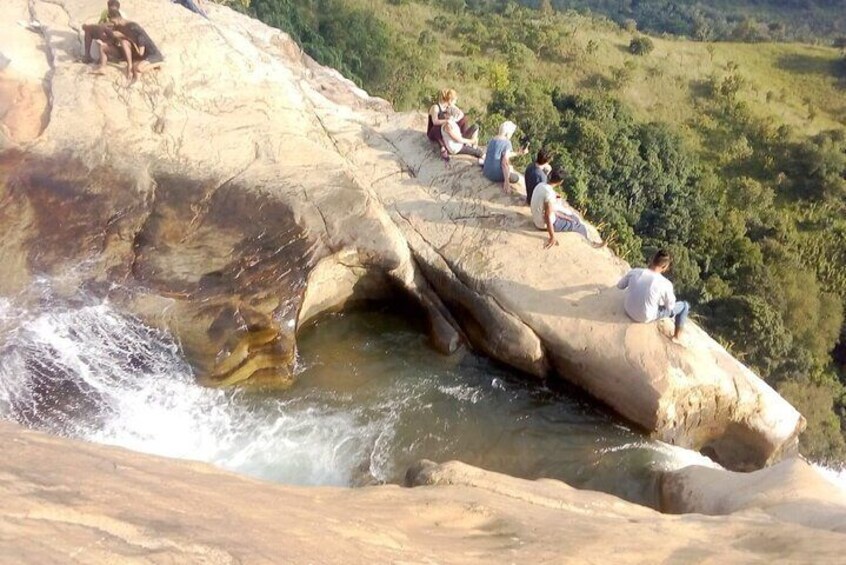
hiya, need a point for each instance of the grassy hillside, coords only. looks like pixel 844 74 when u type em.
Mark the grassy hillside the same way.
pixel 733 155
pixel 704 20
pixel 590 51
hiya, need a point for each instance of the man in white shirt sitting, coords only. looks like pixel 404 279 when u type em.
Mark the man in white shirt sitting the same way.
pixel 551 213
pixel 650 297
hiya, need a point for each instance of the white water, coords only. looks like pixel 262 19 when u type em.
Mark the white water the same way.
pixel 359 413
pixel 127 385
pixel 834 476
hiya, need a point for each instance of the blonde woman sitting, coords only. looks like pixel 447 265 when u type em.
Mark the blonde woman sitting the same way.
pixel 440 113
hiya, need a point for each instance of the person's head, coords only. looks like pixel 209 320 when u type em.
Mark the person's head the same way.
pixel 113 4
pixel 556 177
pixel 543 156
pixel 507 129
pixel 660 261
pixel 453 113
pixel 447 96
pixel 114 14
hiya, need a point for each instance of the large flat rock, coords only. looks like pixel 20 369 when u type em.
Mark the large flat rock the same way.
pixel 242 190
pixel 71 502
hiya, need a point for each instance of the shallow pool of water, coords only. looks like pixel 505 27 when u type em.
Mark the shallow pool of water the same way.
pixel 371 398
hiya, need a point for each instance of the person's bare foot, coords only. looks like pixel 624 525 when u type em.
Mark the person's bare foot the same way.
pixel 98 70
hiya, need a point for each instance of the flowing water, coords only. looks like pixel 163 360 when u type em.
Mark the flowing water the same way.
pixel 370 399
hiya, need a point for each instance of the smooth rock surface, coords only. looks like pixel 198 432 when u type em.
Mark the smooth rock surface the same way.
pixel 243 189
pixel 790 491
pixel 70 502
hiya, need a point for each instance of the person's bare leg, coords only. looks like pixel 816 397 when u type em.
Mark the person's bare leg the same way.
pixel 104 58
pixel 87 40
pixel 145 67
pixel 126 47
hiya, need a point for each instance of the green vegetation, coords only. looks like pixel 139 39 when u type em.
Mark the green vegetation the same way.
pixel 722 20
pixel 641 45
pixel 731 155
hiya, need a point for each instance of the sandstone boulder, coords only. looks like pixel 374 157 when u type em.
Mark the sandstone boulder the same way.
pixel 790 491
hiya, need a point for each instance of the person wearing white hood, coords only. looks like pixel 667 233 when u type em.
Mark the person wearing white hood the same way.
pixel 497 165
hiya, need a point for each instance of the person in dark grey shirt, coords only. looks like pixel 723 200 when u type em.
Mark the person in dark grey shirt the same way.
pixel 537 172
pixel 140 52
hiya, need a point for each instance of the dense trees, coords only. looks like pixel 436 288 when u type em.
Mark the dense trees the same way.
pixel 354 41
pixel 741 256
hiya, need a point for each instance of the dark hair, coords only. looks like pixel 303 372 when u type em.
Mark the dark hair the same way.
pixel 661 259
pixel 544 156
pixel 113 4
pixel 556 176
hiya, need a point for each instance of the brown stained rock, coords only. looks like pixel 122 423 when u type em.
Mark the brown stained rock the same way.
pixel 24 78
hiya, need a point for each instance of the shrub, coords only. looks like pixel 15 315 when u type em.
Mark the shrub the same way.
pixel 641 46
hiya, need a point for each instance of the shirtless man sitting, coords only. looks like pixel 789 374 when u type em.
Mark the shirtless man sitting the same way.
pixel 99 33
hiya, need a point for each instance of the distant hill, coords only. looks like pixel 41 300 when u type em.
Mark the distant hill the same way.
pixel 731 20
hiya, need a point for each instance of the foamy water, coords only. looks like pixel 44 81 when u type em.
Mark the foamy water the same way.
pixel 836 477
pixel 370 400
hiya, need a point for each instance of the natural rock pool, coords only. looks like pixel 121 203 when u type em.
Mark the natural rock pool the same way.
pixel 370 399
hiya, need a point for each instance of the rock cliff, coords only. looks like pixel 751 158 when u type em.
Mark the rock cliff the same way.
pixel 71 502
pixel 243 189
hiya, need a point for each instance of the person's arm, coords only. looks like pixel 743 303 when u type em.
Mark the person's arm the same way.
pixel 433 113
pixel 624 282
pixel 522 151
pixel 549 216
pixel 505 163
pixel 669 297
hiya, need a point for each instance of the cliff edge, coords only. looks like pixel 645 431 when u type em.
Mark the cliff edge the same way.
pixel 243 189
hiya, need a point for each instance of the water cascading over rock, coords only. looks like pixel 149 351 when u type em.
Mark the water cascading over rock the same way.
pixel 242 190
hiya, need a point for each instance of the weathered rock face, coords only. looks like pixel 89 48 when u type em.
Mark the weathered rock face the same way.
pixel 242 190
pixel 70 501
pixel 790 491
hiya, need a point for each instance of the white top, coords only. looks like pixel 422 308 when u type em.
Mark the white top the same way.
pixel 646 292
pixel 543 193
pixel 451 144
